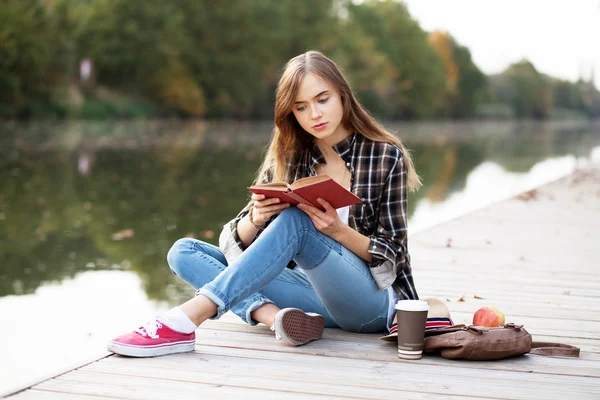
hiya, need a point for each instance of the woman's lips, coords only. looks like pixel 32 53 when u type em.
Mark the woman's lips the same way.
pixel 320 126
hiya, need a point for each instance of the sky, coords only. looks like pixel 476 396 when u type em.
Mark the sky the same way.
pixel 560 37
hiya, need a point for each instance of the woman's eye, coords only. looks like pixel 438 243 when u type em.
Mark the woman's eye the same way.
pixel 300 108
pixel 323 101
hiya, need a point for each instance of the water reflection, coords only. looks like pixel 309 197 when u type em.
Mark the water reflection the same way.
pixel 62 325
pixel 100 196
pixel 486 184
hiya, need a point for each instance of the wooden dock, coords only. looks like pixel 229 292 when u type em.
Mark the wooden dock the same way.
pixel 536 258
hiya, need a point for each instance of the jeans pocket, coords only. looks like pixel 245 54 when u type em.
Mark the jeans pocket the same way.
pixel 377 325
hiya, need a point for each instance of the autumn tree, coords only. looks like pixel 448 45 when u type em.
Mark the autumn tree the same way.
pixel 465 83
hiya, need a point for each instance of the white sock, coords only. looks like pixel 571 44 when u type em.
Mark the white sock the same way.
pixel 178 321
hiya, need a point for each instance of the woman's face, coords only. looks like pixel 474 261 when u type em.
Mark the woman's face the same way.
pixel 318 109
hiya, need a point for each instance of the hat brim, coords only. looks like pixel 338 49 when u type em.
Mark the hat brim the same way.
pixel 432 324
pixel 442 320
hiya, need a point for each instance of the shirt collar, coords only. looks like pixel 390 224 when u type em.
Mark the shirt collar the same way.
pixel 343 148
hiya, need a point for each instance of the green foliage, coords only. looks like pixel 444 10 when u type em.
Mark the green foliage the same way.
pixel 527 92
pixel 201 58
pixel 417 75
pixel 472 86
pixel 575 99
pixel 34 50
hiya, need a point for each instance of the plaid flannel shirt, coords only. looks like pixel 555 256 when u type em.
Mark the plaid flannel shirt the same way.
pixel 379 178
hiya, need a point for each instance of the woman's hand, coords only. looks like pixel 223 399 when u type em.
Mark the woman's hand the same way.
pixel 327 222
pixel 264 208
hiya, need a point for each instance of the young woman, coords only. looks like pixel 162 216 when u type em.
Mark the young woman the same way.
pixel 300 269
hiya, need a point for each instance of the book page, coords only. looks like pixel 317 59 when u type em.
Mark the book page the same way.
pixel 273 186
pixel 308 181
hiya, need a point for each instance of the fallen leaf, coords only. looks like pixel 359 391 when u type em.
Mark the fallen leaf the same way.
pixel 191 235
pixel 461 298
pixel 477 297
pixel 208 234
pixel 567 292
pixel 449 300
pixel 522 258
pixel 527 196
pixel 453 260
pixel 124 234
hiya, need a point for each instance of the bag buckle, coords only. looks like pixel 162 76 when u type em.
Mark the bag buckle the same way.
pixel 480 330
pixel 516 327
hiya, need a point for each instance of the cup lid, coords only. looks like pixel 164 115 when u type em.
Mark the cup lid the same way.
pixel 412 305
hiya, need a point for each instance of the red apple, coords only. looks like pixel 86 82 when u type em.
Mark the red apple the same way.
pixel 489 317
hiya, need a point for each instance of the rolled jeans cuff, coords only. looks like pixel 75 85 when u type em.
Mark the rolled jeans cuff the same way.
pixel 253 302
pixel 216 297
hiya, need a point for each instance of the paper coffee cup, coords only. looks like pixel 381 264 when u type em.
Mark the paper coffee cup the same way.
pixel 412 318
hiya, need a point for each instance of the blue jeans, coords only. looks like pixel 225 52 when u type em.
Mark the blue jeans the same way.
pixel 334 282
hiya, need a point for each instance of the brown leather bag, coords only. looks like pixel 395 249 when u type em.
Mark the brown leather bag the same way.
pixel 482 344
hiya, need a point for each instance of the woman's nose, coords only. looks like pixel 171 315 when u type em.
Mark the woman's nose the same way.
pixel 316 112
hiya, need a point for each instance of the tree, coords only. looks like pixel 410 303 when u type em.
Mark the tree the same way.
pixel 417 76
pixel 138 47
pixel 33 56
pixel 465 83
pixel 526 90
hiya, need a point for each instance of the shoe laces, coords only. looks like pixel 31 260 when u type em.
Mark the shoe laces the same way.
pixel 149 329
pixel 276 334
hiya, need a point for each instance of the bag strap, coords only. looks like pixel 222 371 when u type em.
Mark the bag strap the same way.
pixel 554 349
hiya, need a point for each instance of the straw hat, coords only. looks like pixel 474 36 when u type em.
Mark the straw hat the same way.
pixel 438 317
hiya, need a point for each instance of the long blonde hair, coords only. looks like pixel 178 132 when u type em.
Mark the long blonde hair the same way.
pixel 289 140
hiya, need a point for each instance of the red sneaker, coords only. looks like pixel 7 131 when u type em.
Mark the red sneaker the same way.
pixel 153 339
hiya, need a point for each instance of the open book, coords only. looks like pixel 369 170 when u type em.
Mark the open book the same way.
pixel 307 190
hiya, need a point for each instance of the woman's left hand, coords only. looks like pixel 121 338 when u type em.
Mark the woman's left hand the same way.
pixel 327 222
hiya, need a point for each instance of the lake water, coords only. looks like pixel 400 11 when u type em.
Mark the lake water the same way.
pixel 88 211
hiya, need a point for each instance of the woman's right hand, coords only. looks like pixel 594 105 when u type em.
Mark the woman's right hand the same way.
pixel 264 208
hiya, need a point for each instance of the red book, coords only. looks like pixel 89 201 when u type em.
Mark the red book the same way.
pixel 307 190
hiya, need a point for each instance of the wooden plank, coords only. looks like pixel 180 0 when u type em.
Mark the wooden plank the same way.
pixel 514 290
pixel 533 326
pixel 469 262
pixel 514 310
pixel 143 382
pixel 496 295
pixel 34 394
pixel 587 365
pixel 504 279
pixel 585 344
pixel 363 381
pixel 156 389
pixel 357 373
